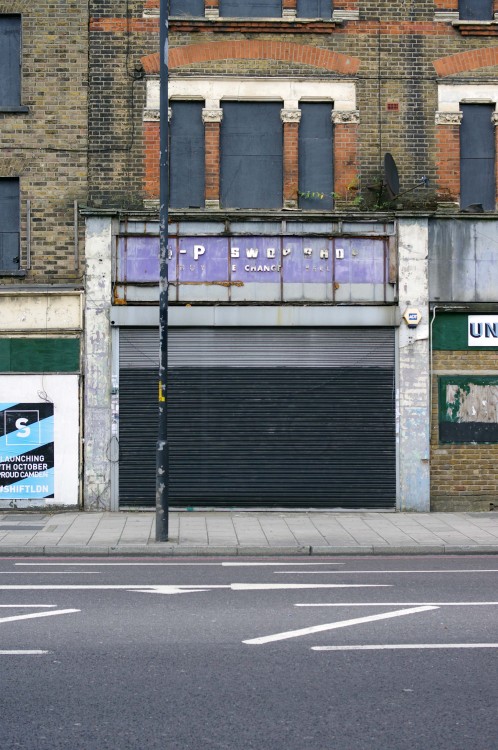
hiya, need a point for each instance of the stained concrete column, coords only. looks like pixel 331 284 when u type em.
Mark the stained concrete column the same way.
pixel 414 368
pixel 97 365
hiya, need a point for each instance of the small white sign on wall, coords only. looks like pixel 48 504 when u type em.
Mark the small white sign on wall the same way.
pixel 483 330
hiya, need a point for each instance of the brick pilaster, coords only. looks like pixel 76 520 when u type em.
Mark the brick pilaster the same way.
pixel 291 119
pixel 151 160
pixel 212 124
pixel 448 155
pixel 346 166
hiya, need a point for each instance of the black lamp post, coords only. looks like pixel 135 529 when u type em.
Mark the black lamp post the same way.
pixel 162 464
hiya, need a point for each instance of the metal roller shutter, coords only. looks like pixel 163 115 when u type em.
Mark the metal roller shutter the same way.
pixel 262 417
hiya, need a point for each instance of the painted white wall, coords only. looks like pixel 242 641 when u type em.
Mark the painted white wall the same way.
pixel 414 368
pixel 97 364
pixel 41 311
pixel 63 392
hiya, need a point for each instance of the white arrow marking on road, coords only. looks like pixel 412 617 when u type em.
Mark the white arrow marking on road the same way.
pixel 169 590
pixel 334 626
pixel 22 653
pixel 403 646
pixel 39 614
pixel 290 586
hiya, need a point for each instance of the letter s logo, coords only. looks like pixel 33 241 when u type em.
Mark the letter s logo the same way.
pixel 21 426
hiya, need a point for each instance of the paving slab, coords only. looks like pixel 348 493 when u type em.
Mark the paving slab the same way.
pixel 245 533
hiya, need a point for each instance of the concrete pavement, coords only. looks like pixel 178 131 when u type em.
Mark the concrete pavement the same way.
pixel 249 533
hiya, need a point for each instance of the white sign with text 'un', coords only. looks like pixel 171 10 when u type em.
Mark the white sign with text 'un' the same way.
pixel 483 330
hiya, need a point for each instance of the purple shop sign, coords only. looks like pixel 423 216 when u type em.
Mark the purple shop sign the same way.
pixel 138 259
pixel 201 259
pixel 363 261
pixel 307 260
pixel 254 260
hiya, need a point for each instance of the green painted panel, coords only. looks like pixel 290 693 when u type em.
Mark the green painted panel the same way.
pixel 40 355
pixel 450 333
pixel 4 355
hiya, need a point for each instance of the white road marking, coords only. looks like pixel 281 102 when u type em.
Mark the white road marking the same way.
pixel 289 586
pixel 152 587
pixel 22 653
pixel 334 625
pixel 173 564
pixel 49 573
pixel 399 604
pixel 39 614
pixel 377 572
pixel 404 646
pixel 169 590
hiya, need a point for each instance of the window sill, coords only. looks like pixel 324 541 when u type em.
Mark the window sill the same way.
pixel 254 25
pixel 476 28
pixel 19 109
pixel 18 274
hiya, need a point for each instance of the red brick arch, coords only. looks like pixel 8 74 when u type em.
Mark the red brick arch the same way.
pixel 255 50
pixel 471 60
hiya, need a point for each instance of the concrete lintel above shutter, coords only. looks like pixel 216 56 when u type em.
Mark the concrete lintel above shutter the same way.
pixel 261 315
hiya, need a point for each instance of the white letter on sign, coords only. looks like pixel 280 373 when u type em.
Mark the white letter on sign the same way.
pixel 21 426
pixel 198 250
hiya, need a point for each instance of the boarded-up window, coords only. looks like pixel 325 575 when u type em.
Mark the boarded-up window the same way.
pixel 475 10
pixel 10 61
pixel 251 8
pixel 477 156
pixel 186 8
pixel 314 9
pixel 316 181
pixel 468 409
pixel 251 155
pixel 9 224
pixel 186 155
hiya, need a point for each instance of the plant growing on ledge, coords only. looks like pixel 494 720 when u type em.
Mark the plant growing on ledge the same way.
pixel 351 198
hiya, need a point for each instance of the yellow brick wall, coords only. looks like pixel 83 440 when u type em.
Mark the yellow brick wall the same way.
pixel 463 477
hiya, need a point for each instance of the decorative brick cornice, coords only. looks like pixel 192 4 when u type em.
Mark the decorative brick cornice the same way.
pixel 449 118
pixel 494 119
pixel 258 49
pixel 290 115
pixel 476 28
pixel 212 115
pixel 346 118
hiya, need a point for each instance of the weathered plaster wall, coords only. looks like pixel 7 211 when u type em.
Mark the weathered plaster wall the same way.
pixel 414 379
pixel 97 421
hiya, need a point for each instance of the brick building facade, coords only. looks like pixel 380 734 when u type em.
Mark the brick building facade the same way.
pixel 316 93
pixel 43 180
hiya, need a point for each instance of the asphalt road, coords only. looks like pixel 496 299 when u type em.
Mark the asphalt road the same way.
pixel 336 654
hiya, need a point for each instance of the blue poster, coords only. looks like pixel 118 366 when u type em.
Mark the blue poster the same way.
pixel 26 452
